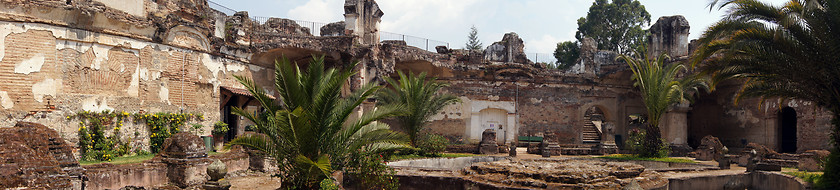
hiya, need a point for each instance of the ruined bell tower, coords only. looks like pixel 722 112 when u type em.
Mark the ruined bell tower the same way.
pixel 362 19
pixel 669 35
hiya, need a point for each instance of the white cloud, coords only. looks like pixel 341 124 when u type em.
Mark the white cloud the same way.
pixel 419 17
pixel 318 11
pixel 546 44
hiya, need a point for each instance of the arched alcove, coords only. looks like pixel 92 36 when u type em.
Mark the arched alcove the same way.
pixel 496 119
pixel 593 120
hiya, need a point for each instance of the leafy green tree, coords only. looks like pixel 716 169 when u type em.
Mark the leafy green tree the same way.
pixel 420 98
pixel 660 88
pixel 472 40
pixel 311 133
pixel 566 53
pixel 615 25
pixel 790 51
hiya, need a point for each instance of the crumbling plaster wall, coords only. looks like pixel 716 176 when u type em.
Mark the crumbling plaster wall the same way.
pixel 538 107
pixel 77 70
pixel 751 121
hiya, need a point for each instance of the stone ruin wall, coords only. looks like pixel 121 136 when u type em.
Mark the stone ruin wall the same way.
pixel 86 56
pixel 144 57
pixel 751 121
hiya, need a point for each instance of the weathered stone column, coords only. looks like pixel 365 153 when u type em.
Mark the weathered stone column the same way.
pixel 185 159
pixel 674 126
pixel 607 145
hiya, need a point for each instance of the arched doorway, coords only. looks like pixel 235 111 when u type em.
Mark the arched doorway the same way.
pixel 787 130
pixel 593 120
pixel 496 119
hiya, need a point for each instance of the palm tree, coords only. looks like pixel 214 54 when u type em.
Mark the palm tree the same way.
pixel 420 99
pixel 660 88
pixel 311 133
pixel 787 52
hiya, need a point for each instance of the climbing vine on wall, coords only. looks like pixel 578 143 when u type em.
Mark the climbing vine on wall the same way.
pixel 95 144
pixel 163 125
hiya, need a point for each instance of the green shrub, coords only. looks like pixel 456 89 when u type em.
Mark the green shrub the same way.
pixel 635 141
pixel 328 184
pixel 220 128
pixel 372 171
pixel 830 179
pixel 433 144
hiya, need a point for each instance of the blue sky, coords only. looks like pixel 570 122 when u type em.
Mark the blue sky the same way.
pixel 540 23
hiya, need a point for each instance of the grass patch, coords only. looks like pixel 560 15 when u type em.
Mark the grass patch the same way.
pixel 417 156
pixel 810 177
pixel 122 160
pixel 634 157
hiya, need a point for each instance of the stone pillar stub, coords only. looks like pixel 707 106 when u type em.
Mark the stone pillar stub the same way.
pixel 186 160
pixel 488 142
pixel 674 125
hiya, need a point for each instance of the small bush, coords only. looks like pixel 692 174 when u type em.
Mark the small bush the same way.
pixel 372 171
pixel 220 128
pixel 433 144
pixel 830 179
pixel 328 184
pixel 636 139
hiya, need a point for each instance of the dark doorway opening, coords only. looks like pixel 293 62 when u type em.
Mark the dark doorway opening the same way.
pixel 787 130
pixel 230 118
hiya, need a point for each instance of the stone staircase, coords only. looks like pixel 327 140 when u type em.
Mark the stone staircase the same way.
pixel 590 131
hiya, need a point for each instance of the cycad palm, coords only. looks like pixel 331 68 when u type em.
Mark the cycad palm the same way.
pixel 311 133
pixel 788 52
pixel 419 96
pixel 660 88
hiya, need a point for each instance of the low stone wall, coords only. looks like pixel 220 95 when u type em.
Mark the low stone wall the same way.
pixel 670 166
pixel 109 176
pixel 236 160
pixel 152 173
pixel 445 163
pixel 754 180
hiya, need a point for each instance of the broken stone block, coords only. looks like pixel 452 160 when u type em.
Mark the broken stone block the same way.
pixel 512 151
pixel 812 160
pixel 488 142
pixel 217 170
pixel 285 26
pixel 509 50
pixel 442 49
pixel 186 160
pixel 549 146
pixel 333 29
pixel 709 147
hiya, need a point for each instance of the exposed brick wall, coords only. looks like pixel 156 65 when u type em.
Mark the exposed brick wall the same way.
pixel 36 47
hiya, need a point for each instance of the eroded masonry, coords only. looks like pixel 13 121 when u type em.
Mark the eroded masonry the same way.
pixel 62 57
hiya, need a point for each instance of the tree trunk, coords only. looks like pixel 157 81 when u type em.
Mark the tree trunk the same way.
pixel 653 141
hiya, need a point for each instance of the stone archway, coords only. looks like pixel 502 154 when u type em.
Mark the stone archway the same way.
pixel 787 130
pixel 496 119
pixel 594 120
pixel 496 115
